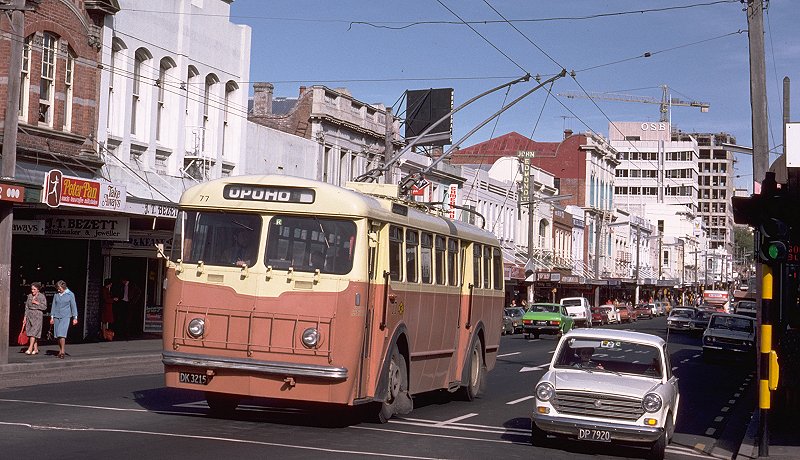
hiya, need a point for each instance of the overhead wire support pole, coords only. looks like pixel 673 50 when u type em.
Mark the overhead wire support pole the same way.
pixel 377 172
pixel 408 181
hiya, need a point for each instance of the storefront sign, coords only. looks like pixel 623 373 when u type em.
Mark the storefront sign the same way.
pixel 548 276
pixel 513 272
pixel 62 190
pixel 86 227
pixel 28 227
pixel 152 210
pixel 572 279
pixel 452 192
pixel 13 193
pixel 153 318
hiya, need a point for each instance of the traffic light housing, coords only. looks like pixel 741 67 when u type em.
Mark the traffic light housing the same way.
pixel 774 244
pixel 770 213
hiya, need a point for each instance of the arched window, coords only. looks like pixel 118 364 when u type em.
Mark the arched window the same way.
pixel 230 89
pixel 69 73
pixel 207 142
pixel 47 90
pixel 138 111
pixel 113 122
pixel 25 81
pixel 543 224
pixel 162 111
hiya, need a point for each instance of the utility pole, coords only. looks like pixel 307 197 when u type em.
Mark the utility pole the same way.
pixel 16 11
pixel 388 148
pixel 758 119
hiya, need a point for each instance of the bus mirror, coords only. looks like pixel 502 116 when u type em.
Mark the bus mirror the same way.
pixel 373 239
pixel 160 251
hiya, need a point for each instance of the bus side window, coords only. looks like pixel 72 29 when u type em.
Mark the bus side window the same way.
pixel 452 261
pixel 487 267
pixel 395 253
pixel 439 260
pixel 477 250
pixel 497 262
pixel 426 258
pixel 412 244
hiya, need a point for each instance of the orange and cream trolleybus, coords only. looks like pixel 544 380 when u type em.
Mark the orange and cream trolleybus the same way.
pixel 288 288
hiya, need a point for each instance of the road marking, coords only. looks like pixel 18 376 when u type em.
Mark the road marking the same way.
pixel 81 406
pixel 453 420
pixel 725 409
pixel 411 433
pixel 731 401
pixel 718 418
pixel 696 356
pixel 529 369
pixel 736 395
pixel 520 400
pixel 509 354
pixel 711 431
pixel 211 438
pixel 457 426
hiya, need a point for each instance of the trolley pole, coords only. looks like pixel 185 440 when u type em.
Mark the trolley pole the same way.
pixel 16 11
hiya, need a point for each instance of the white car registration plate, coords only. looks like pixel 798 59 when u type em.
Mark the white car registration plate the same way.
pixel 196 379
pixel 594 435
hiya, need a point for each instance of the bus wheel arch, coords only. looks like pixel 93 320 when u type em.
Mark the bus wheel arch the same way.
pixel 392 394
pixel 474 373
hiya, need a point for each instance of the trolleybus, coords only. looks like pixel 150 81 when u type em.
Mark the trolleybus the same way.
pixel 288 288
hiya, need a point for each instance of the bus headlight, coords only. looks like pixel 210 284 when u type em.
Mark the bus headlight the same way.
pixel 197 327
pixel 310 337
pixel 544 391
pixel 651 402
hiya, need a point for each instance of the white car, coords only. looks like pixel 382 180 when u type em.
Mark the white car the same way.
pixel 734 335
pixel 579 309
pixel 608 385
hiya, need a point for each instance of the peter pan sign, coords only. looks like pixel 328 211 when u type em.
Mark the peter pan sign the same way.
pixel 63 190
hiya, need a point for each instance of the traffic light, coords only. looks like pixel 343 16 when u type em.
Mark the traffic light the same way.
pixel 774 244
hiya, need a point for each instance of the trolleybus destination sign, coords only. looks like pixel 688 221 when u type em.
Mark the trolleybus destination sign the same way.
pixel 248 192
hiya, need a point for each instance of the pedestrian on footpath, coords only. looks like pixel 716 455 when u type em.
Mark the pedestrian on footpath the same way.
pixel 35 306
pixel 64 308
pixel 107 312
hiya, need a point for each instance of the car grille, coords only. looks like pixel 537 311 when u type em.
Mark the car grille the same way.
pixel 606 406
pixel 728 341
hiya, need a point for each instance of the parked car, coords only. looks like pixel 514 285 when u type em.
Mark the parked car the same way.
pixel 681 319
pixel 546 318
pixel 623 315
pixel 632 313
pixel 515 314
pixel 701 317
pixel 644 311
pixel 579 309
pixel 608 385
pixel 599 316
pixel 730 334
pixel 746 308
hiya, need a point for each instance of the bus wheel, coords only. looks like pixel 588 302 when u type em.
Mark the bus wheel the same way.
pixel 397 401
pixel 475 373
pixel 221 404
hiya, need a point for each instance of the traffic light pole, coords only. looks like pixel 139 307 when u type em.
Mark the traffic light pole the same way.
pixel 765 348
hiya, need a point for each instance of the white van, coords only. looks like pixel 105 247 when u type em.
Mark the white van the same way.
pixel 579 309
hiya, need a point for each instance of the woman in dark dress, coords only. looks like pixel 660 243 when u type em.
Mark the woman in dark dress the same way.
pixel 35 305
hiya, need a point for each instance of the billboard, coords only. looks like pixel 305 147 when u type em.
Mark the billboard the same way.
pixel 424 107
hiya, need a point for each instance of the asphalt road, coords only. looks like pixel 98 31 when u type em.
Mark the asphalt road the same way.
pixel 136 417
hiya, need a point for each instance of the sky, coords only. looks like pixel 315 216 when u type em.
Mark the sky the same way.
pixel 378 49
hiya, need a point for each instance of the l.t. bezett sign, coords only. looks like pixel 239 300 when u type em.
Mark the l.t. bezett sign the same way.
pixel 62 190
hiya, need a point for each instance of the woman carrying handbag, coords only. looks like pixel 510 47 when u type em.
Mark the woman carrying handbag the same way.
pixel 35 305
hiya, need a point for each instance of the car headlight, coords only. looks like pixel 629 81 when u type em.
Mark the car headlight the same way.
pixel 196 328
pixel 544 391
pixel 310 337
pixel 651 402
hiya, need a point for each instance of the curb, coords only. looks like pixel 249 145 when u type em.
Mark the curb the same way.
pixel 748 449
pixel 52 363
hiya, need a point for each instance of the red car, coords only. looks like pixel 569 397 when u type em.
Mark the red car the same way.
pixel 599 316
pixel 624 315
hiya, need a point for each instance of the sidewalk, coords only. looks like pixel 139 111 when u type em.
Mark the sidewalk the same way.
pixel 98 358
pixel 784 437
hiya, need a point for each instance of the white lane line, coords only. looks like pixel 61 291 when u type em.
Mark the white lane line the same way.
pixel 710 431
pixel 410 433
pixel 211 438
pixel 73 405
pixel 520 400
pixel 696 356
pixel 718 418
pixel 736 395
pixel 454 420
pixel 725 409
pixel 731 401
pixel 472 426
pixel 509 354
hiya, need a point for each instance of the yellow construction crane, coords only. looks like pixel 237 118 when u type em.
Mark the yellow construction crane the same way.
pixel 665 102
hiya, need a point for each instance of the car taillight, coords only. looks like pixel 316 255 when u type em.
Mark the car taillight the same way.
pixel 555 323
pixel 527 321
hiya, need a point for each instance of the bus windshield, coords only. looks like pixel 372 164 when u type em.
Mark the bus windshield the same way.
pixel 307 243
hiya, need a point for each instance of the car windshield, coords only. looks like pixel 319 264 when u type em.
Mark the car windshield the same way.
pixel 729 322
pixel 682 313
pixel 571 302
pixel 515 311
pixel 617 356
pixel 544 308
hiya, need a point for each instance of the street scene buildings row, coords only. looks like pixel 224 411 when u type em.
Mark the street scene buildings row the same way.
pixel 148 103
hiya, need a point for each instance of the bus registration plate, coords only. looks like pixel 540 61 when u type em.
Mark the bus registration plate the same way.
pixel 196 379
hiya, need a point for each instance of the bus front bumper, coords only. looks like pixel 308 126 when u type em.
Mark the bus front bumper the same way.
pixel 276 368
